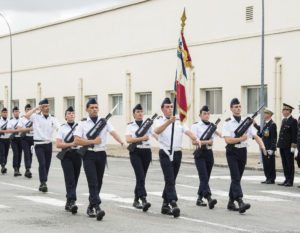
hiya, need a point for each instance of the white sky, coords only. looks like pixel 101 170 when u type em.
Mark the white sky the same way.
pixel 23 14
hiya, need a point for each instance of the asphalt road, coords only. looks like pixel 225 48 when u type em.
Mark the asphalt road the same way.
pixel 24 209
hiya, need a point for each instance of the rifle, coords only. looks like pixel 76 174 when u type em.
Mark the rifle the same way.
pixel 95 131
pixel 142 130
pixel 3 127
pixel 68 139
pixel 211 129
pixel 27 125
pixel 12 136
pixel 241 130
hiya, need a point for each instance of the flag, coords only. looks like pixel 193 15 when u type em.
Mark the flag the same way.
pixel 181 79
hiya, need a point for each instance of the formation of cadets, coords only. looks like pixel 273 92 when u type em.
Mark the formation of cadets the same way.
pixel 84 143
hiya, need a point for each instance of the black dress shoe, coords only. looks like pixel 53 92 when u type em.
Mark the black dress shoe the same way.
pixel 90 211
pixel 270 182
pixel 283 183
pixel 3 169
pixel 211 202
pixel 288 184
pixel 175 209
pixel 298 186
pixel 165 209
pixel 231 206
pixel 145 205
pixel 243 206
pixel 28 174
pixel 137 204
pixel 17 172
pixel 200 202
pixel 43 187
pixel 99 213
pixel 67 206
pixel 73 207
pixel 264 182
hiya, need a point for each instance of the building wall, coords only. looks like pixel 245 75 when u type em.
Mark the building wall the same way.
pixel 139 41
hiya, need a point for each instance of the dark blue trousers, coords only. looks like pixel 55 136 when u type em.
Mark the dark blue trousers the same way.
pixel 269 167
pixel 4 147
pixel 288 164
pixel 236 159
pixel 27 142
pixel 94 166
pixel 71 165
pixel 140 160
pixel 44 155
pixel 204 164
pixel 170 170
pixel 16 146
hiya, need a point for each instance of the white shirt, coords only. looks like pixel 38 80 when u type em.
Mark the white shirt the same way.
pixel 64 130
pixel 22 123
pixel 132 127
pixel 2 122
pixel 84 127
pixel 199 128
pixel 164 138
pixel 230 126
pixel 43 128
pixel 13 124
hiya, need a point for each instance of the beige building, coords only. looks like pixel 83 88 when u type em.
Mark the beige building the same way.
pixel 127 55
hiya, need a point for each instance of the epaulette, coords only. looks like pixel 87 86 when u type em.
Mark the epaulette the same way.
pixel 228 119
pixel 84 119
pixel 159 117
pixel 130 123
pixel 195 123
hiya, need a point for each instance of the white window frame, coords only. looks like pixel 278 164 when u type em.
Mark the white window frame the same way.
pixel 246 97
pixel 120 106
pixel 205 102
pixel 145 108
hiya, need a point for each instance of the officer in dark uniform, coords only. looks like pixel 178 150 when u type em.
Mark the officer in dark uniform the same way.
pixel 44 125
pixel 26 130
pixel 205 160
pixel 170 163
pixel 140 158
pixel 269 137
pixel 4 140
pixel 95 158
pixel 71 163
pixel 15 140
pixel 237 157
pixel 287 143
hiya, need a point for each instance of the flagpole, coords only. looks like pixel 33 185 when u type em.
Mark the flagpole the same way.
pixel 183 18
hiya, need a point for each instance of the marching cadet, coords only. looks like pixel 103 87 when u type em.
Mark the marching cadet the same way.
pixel 269 137
pixel 170 164
pixel 287 143
pixel 44 125
pixel 237 157
pixel 15 140
pixel 140 158
pixel 4 140
pixel 205 161
pixel 26 130
pixel 95 158
pixel 71 163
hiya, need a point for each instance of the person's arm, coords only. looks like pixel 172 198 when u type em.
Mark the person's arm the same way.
pixel 84 142
pixel 155 136
pixel 273 136
pixel 130 139
pixel 161 128
pixel 294 128
pixel 29 113
pixel 231 140
pixel 21 129
pixel 117 137
pixel 62 145
pixel 260 143
pixel 193 137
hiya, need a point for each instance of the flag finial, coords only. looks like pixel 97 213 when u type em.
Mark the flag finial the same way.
pixel 183 19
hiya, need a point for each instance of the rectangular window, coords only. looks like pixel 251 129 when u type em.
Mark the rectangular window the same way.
pixel 145 99
pixel 69 101
pixel 51 102
pixel 213 99
pixel 252 97
pixel 32 102
pixel 249 13
pixel 171 95
pixel 15 103
pixel 114 100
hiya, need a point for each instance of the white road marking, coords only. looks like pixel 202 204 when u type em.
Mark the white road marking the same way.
pixel 282 193
pixel 193 220
pixel 24 187
pixel 44 200
pixel 4 207
pixel 113 197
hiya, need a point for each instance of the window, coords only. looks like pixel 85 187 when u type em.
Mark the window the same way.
pixel 252 97
pixel 171 95
pixel 213 99
pixel 249 13
pixel 32 102
pixel 1 104
pixel 145 99
pixel 15 103
pixel 114 100
pixel 88 97
pixel 69 101
pixel 51 102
